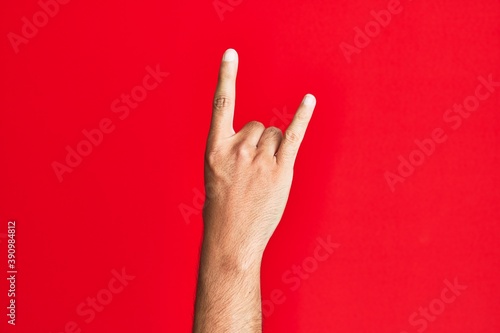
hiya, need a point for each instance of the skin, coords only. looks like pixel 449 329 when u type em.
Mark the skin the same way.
pixel 248 176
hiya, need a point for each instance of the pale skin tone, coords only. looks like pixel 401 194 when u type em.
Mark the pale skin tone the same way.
pixel 248 176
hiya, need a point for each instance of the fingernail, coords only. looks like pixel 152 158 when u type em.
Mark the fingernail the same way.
pixel 230 55
pixel 309 100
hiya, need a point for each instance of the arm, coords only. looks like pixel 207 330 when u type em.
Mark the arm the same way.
pixel 247 179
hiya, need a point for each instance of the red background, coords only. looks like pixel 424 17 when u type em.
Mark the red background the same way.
pixel 121 207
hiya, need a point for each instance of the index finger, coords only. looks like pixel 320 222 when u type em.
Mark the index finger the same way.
pixel 295 132
pixel 225 96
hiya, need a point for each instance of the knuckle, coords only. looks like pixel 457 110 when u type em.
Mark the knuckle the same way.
pixel 274 131
pixel 262 166
pixel 254 125
pixel 302 115
pixel 243 153
pixel 222 102
pixel 292 137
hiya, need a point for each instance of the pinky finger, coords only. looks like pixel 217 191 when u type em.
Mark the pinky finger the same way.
pixel 295 132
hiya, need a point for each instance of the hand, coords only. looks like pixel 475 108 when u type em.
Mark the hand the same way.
pixel 247 179
pixel 248 174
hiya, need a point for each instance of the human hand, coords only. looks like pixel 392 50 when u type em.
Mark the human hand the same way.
pixel 248 174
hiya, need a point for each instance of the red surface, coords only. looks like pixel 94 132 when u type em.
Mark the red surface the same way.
pixel 120 207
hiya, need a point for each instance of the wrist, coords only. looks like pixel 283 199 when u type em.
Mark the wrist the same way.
pixel 230 256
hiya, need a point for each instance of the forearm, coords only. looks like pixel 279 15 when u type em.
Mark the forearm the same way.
pixel 228 297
